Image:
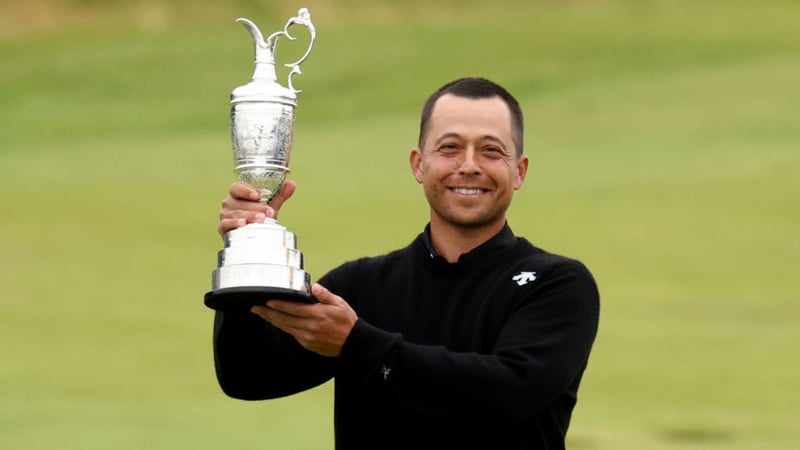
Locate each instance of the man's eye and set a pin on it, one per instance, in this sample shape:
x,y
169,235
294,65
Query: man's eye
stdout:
x,y
448,147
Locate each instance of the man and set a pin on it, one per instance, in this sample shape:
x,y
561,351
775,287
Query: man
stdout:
x,y
469,338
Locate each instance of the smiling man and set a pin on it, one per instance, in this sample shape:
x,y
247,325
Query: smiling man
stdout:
x,y
469,338
470,163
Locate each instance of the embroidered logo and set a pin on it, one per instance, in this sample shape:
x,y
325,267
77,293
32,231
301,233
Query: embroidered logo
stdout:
x,y
524,278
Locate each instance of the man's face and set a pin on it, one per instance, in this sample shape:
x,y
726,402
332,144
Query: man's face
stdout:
x,y
468,164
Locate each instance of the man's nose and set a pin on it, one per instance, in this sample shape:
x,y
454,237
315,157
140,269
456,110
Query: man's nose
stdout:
x,y
469,162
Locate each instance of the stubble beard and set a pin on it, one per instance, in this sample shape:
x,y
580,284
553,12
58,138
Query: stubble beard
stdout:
x,y
466,218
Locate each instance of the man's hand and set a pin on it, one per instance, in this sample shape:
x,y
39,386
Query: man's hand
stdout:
x,y
243,205
320,327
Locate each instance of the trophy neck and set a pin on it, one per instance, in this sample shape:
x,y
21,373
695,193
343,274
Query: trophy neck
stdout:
x,y
267,195
265,71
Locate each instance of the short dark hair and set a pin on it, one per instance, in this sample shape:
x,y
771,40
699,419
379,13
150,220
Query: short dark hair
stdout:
x,y
476,88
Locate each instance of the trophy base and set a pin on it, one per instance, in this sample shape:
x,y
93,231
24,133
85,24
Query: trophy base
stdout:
x,y
248,296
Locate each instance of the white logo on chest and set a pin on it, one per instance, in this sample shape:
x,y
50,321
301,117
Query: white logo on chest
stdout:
x,y
524,278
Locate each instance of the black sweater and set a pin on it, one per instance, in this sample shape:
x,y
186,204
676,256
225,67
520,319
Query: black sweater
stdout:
x,y
486,353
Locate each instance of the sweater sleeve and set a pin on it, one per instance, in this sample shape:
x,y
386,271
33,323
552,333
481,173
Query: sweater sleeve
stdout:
x,y
256,361
539,355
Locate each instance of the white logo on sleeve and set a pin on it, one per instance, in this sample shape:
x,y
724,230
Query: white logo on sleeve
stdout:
x,y
524,278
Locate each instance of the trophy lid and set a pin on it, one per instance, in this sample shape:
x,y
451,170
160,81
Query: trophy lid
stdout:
x,y
263,90
264,86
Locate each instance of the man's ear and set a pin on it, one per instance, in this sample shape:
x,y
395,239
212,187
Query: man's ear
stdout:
x,y
522,171
415,161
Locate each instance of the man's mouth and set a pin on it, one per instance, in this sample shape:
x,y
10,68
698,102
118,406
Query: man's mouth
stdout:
x,y
468,191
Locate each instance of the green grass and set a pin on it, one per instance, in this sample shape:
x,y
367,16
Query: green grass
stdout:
x,y
664,143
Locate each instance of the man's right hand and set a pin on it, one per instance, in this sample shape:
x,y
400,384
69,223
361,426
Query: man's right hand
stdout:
x,y
243,205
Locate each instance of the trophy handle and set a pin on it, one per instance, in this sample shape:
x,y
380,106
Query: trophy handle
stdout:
x,y
265,48
303,17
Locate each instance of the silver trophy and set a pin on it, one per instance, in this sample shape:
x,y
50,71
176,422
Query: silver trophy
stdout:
x,y
261,261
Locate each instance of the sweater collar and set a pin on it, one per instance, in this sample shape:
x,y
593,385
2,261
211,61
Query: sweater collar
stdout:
x,y
503,239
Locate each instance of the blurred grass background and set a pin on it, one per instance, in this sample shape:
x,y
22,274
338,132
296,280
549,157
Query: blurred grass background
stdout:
x,y
664,144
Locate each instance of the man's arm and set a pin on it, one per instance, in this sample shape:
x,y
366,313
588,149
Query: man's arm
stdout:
x,y
255,360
